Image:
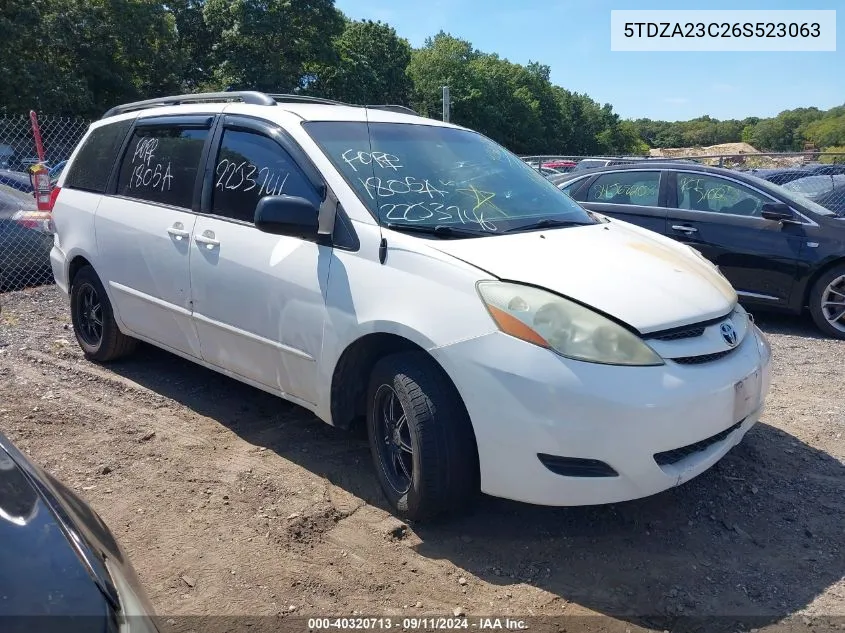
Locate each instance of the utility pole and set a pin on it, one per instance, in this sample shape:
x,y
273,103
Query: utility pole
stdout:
x,y
447,103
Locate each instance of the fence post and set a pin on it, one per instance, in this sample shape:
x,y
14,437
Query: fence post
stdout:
x,y
36,132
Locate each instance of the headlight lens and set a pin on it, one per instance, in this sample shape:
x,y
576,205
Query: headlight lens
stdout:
x,y
547,320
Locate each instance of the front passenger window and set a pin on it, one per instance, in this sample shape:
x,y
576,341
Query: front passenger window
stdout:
x,y
250,166
700,192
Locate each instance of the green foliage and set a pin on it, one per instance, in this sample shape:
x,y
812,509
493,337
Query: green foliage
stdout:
x,y
80,57
827,131
515,105
839,160
368,65
786,132
267,44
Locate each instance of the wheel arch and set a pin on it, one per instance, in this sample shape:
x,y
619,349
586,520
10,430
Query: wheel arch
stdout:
x,y
348,391
77,263
818,274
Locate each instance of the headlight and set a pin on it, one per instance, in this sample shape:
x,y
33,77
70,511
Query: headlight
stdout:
x,y
571,330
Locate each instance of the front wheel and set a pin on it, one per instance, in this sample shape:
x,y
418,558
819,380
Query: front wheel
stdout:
x,y
420,437
827,302
93,320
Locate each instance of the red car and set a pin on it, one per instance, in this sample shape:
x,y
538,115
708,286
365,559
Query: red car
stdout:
x,y
562,166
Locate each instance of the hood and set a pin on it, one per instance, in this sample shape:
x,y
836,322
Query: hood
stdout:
x,y
644,279
42,574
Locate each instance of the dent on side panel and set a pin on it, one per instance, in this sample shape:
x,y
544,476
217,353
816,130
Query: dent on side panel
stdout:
x,y
426,299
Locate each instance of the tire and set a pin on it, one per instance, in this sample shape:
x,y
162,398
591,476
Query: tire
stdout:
x,y
829,287
443,461
88,300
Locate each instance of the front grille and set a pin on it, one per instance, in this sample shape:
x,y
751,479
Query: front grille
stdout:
x,y
704,358
680,334
576,467
672,457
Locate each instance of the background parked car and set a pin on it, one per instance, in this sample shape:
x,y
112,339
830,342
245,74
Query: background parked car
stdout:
x,y
25,240
814,186
595,163
561,166
780,176
827,170
779,249
16,180
60,559
828,191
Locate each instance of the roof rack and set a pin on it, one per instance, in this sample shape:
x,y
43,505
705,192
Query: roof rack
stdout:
x,y
247,96
393,108
290,98
250,97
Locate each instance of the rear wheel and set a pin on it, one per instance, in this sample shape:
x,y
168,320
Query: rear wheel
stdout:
x,y
827,302
420,437
93,320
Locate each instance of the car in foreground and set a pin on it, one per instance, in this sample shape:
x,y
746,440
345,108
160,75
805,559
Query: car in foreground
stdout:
x,y
382,268
781,250
63,569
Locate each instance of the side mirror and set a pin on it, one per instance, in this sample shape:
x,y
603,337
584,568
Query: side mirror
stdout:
x,y
287,215
777,211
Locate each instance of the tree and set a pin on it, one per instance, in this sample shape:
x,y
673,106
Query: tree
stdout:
x,y
267,45
826,132
369,66
194,43
442,61
80,57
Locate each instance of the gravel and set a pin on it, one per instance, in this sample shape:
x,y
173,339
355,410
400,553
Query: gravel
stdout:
x,y
210,490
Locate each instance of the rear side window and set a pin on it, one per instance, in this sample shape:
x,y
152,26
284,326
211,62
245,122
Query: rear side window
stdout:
x,y
250,166
92,167
640,188
161,164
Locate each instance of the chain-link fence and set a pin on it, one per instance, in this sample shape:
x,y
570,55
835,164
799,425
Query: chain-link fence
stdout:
x,y
25,237
814,176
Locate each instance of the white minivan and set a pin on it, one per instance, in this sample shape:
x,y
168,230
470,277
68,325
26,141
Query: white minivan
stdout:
x,y
375,266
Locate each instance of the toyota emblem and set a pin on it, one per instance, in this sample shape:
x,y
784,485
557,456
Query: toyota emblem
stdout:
x,y
729,334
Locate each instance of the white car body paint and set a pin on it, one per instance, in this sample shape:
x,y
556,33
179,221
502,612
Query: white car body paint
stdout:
x,y
277,313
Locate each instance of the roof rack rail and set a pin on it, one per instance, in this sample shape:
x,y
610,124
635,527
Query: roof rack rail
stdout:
x,y
247,96
250,97
394,108
291,98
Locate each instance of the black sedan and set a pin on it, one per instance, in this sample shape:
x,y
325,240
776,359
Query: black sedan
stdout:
x,y
779,249
62,568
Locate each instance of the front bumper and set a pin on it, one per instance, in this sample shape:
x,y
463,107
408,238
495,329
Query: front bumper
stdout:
x,y
524,401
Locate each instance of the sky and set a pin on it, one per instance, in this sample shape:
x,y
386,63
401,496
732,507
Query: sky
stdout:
x,y
573,38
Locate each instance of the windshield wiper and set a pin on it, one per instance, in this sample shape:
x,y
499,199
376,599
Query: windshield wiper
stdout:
x,y
545,223
440,230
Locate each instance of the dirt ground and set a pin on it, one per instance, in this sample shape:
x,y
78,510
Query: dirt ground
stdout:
x,y
230,501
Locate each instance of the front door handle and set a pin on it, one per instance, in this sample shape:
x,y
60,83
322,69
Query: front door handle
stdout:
x,y
683,228
178,231
208,239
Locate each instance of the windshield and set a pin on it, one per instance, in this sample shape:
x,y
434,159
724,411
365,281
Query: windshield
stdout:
x,y
427,176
